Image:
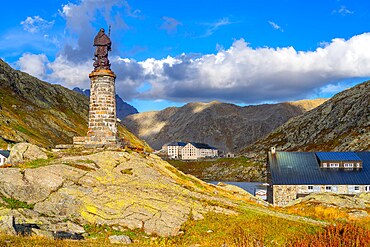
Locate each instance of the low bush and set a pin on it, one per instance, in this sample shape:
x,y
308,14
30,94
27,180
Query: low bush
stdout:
x,y
340,235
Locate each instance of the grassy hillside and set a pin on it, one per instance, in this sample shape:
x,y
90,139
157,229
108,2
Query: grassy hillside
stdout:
x,y
223,169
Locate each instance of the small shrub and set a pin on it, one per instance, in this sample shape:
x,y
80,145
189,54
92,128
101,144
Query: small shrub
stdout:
x,y
242,238
341,235
14,203
127,171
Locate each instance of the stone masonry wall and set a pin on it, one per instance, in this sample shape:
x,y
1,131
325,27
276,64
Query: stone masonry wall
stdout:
x,y
283,194
102,112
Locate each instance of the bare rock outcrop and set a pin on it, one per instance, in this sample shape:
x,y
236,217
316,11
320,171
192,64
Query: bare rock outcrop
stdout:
x,y
23,152
124,189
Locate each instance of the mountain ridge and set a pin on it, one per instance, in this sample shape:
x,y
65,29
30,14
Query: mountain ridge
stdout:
x,y
219,124
340,124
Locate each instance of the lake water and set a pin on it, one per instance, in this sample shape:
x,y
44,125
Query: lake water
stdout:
x,y
250,187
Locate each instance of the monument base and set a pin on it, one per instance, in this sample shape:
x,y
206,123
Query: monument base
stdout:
x,y
95,142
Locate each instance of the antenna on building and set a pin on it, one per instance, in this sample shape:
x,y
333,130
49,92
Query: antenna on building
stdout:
x,y
109,30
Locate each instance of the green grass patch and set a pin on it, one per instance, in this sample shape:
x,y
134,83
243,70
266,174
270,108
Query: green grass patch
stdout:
x,y
36,163
249,228
14,203
24,130
186,178
96,231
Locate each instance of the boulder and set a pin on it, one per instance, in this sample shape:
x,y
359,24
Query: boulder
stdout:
x,y
355,214
120,239
331,200
23,152
7,224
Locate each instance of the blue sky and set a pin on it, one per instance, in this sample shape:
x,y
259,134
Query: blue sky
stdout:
x,y
167,53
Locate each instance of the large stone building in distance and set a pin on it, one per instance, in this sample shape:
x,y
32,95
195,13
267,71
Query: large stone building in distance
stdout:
x,y
190,150
296,174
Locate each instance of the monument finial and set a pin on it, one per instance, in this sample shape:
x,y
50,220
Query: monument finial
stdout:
x,y
103,45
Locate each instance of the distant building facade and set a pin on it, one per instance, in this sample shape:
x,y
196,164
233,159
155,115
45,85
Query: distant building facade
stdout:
x,y
190,151
296,174
194,151
4,155
174,149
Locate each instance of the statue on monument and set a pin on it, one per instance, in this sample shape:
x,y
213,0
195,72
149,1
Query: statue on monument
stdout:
x,y
103,45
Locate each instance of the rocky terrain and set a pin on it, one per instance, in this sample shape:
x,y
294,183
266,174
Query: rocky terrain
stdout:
x,y
116,188
41,113
226,126
340,124
123,109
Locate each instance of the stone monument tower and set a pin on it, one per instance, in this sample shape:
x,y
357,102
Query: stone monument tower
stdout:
x,y
102,112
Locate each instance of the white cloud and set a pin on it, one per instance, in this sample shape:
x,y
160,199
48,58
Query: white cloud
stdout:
x,y
333,88
275,26
343,11
80,29
68,73
237,74
33,64
36,24
244,74
170,24
213,27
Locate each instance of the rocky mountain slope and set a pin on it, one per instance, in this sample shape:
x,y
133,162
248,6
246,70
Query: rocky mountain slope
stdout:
x,y
41,113
340,124
226,126
123,109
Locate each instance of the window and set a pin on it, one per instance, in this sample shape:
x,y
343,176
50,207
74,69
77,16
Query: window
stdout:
x,y
327,188
348,165
357,188
324,165
310,188
367,188
358,165
334,165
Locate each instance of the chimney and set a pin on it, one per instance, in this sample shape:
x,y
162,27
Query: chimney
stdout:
x,y
273,150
